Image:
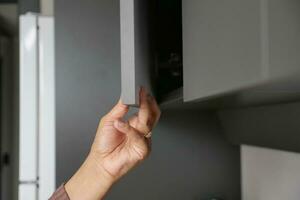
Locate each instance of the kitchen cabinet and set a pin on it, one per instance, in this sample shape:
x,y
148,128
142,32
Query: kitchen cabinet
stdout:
x,y
136,54
151,47
231,46
273,126
244,51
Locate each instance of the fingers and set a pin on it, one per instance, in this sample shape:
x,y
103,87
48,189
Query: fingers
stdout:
x,y
118,111
147,117
135,136
133,120
144,111
148,114
124,127
155,109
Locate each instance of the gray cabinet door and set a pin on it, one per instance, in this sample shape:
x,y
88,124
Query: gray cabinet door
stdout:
x,y
238,44
136,53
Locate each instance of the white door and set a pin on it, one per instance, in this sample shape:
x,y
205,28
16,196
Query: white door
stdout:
x,y
37,108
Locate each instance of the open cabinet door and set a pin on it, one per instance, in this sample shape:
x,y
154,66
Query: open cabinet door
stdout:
x,y
136,52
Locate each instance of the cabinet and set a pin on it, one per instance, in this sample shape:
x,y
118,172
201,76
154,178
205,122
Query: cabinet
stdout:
x,y
136,54
247,49
151,47
230,46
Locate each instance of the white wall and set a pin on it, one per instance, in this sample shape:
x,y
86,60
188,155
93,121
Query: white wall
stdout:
x,y
47,7
270,174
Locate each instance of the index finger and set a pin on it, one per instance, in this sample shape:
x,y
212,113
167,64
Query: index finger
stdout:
x,y
145,109
155,109
148,113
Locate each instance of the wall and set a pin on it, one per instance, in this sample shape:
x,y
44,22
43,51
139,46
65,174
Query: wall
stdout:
x,y
190,158
28,6
9,17
270,174
47,7
9,107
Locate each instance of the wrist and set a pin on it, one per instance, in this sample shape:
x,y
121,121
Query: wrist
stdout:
x,y
94,161
89,182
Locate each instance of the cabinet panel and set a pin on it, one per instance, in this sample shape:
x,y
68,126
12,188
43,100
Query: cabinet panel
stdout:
x,y
234,45
136,54
273,126
151,48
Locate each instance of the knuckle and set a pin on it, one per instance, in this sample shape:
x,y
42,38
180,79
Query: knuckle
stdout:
x,y
157,116
159,112
102,121
104,118
147,127
124,106
126,126
142,156
144,128
147,130
149,124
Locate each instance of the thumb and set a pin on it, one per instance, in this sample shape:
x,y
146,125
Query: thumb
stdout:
x,y
125,128
119,110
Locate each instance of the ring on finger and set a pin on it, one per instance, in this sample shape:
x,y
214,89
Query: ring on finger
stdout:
x,y
148,135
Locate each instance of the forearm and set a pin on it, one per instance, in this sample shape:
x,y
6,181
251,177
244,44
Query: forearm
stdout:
x,y
90,182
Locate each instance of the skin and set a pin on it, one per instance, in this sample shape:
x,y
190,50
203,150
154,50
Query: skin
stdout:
x,y
117,148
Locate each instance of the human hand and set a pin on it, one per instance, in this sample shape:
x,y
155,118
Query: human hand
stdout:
x,y
118,146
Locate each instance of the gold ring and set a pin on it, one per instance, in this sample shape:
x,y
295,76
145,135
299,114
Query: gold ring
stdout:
x,y
148,135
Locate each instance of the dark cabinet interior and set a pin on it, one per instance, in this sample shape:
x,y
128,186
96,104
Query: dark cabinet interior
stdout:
x,y
168,71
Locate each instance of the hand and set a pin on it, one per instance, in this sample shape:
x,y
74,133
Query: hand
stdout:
x,y
118,146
